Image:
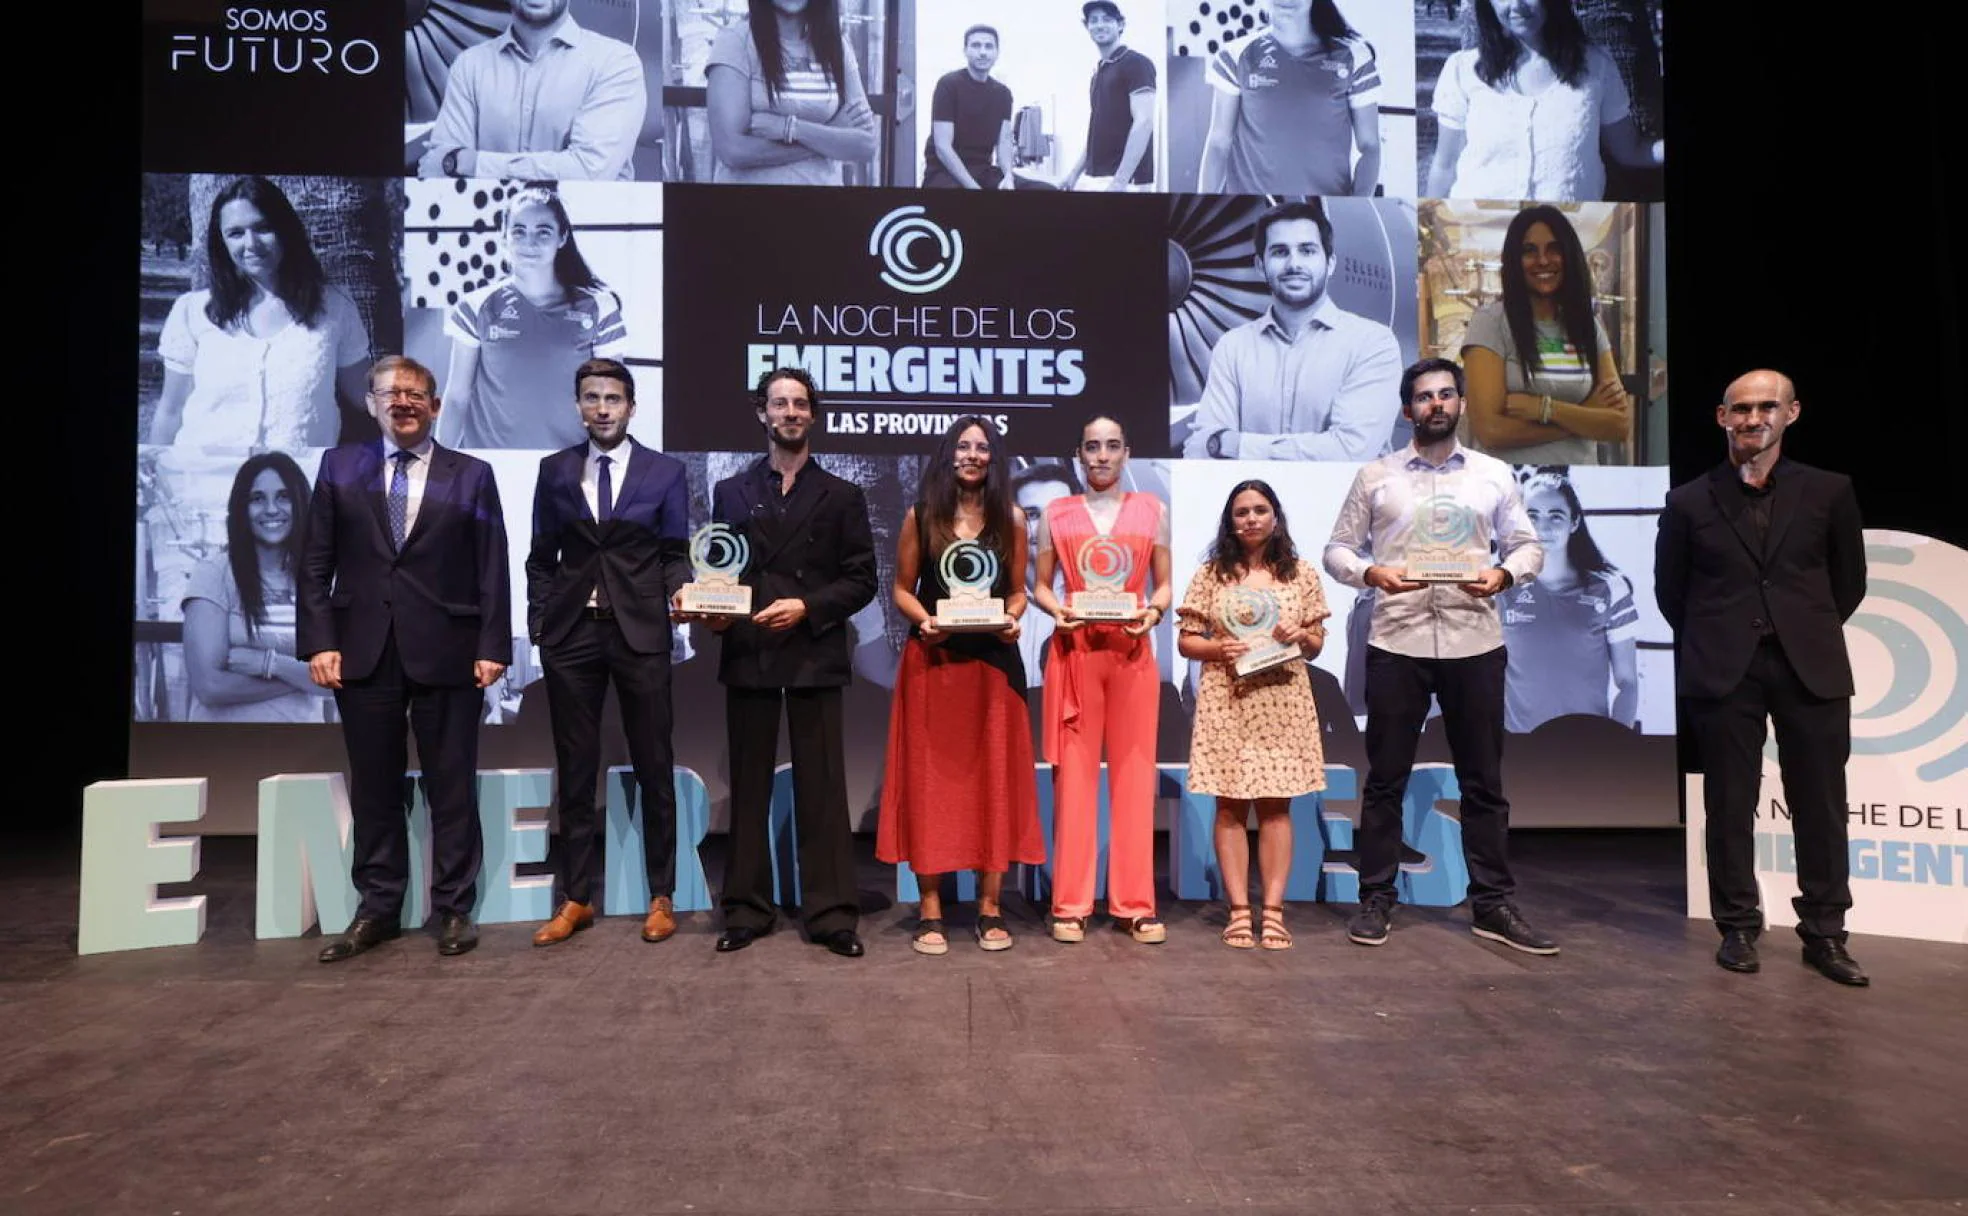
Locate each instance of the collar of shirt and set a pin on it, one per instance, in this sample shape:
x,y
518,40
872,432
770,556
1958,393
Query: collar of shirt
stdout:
x,y
567,33
1418,463
421,451
618,456
1321,316
768,477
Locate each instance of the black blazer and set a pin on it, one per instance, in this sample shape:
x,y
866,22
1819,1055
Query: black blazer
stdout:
x,y
1715,586
640,557
447,595
823,553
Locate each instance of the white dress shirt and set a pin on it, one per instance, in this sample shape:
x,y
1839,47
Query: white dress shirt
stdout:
x,y
618,467
417,471
1440,621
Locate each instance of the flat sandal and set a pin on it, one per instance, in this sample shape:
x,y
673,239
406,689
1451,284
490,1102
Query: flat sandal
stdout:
x,y
1239,934
1276,936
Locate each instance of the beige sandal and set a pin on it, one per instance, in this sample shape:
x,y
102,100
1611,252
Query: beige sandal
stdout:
x,y
1276,936
1237,934
1147,930
1069,928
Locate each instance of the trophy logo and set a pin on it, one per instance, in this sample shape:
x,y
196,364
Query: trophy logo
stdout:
x,y
1105,566
969,570
718,556
1251,614
1443,546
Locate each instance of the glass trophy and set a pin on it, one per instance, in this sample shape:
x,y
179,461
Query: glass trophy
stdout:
x,y
1105,566
969,569
718,556
1251,613
1444,544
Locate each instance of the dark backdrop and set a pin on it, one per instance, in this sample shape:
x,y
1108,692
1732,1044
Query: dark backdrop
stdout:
x,y
1811,196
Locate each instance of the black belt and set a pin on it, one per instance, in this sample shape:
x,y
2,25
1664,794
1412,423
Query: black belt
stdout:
x,y
598,614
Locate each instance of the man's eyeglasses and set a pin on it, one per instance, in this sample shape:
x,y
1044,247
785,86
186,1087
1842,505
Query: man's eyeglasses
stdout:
x,y
415,396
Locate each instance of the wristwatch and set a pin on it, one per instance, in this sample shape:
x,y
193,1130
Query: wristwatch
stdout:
x,y
450,165
1215,445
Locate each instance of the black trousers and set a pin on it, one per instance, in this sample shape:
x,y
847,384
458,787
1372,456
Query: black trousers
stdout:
x,y
1814,740
826,839
1471,693
445,720
578,670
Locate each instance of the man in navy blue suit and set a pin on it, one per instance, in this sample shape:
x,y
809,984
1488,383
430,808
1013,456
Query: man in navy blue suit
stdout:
x,y
611,523
405,610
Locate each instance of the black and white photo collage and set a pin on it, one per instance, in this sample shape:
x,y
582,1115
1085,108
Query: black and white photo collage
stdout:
x,y
1302,197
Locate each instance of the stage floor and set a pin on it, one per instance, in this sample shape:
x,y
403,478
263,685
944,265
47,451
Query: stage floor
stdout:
x,y
1437,1074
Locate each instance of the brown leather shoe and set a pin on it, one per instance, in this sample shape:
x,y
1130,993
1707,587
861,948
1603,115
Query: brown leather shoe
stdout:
x,y
661,922
571,919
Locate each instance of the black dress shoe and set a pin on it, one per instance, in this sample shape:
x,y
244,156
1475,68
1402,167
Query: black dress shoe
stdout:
x,y
1833,962
457,934
363,933
737,937
1738,951
844,942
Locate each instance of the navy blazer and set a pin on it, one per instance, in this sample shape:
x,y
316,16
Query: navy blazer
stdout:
x,y
640,557
447,595
823,552
1719,589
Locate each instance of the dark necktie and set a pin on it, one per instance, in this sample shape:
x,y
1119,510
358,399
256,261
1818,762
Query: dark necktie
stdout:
x,y
604,511
399,496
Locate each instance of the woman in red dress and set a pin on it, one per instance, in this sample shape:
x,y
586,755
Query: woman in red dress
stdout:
x,y
959,793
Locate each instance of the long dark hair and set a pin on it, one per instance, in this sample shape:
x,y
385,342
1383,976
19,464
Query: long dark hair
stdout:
x,y
1227,554
242,550
571,270
1498,53
1574,294
1580,549
298,281
936,500
1330,24
823,33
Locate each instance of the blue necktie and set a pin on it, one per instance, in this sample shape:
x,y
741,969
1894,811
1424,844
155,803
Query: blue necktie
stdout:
x,y
399,496
604,492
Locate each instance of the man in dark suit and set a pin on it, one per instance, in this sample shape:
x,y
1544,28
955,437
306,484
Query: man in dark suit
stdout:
x,y
1756,567
812,567
611,522
405,608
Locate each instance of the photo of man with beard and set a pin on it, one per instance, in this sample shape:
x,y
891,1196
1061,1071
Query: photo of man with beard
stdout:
x,y
1305,379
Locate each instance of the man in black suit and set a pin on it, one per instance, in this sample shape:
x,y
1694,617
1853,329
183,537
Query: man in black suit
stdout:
x,y
1757,566
611,526
812,567
405,608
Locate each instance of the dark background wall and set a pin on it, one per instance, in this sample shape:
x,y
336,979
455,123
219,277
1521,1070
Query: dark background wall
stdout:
x,y
1811,208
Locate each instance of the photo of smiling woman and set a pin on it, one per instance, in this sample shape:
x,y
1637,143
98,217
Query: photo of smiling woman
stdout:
x,y
959,791
1570,632
1544,385
239,605
786,100
1533,110
253,360
516,342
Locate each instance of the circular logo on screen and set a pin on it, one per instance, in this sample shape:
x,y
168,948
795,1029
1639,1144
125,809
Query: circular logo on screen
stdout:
x,y
918,255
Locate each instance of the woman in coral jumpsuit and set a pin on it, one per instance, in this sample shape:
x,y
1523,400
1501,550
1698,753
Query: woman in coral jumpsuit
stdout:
x,y
1102,688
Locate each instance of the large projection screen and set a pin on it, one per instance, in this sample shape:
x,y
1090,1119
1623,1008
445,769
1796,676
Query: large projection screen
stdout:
x,y
298,221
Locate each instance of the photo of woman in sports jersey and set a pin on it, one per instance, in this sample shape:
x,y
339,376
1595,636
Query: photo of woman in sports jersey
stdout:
x,y
1306,98
516,341
1571,631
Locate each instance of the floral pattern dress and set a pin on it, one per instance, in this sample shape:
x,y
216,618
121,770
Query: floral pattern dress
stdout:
x,y
1255,737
